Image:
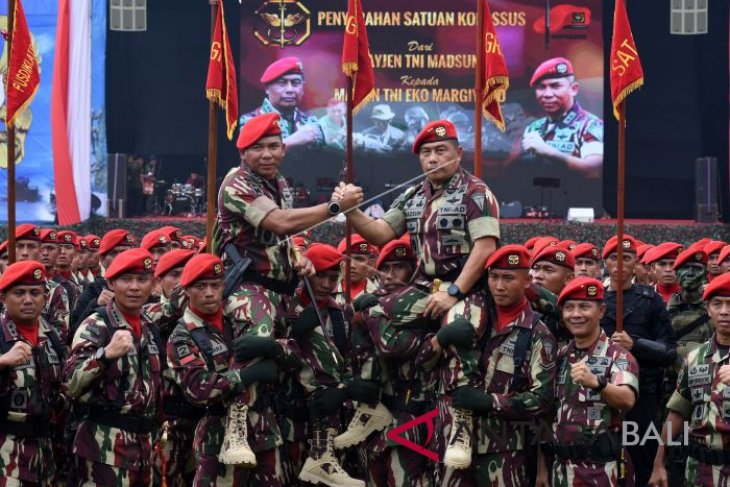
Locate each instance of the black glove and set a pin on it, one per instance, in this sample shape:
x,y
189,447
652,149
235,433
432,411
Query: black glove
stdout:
x,y
476,400
367,391
306,322
246,347
263,371
324,402
364,301
459,332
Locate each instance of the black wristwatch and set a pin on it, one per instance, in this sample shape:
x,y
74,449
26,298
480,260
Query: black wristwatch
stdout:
x,y
602,383
454,291
102,358
334,208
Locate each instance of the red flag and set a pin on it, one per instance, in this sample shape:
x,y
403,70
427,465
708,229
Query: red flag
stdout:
x,y
496,77
626,72
23,75
356,55
221,86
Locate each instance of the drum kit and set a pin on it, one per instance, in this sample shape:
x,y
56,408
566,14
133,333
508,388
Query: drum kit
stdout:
x,y
179,199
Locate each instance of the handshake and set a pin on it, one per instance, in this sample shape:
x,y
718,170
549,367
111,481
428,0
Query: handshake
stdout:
x,y
348,196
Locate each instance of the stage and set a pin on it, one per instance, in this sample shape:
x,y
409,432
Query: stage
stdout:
x,y
513,230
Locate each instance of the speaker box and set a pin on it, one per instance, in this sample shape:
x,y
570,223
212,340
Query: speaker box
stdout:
x,y
706,196
117,180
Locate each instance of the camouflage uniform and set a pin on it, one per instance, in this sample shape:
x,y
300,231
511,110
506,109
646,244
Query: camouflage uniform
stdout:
x,y
56,311
73,289
683,313
288,125
207,382
384,340
443,226
371,286
586,429
704,401
29,394
123,400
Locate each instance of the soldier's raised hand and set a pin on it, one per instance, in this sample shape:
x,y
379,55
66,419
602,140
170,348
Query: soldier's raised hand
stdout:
x,y
725,374
582,375
352,196
18,355
105,297
120,344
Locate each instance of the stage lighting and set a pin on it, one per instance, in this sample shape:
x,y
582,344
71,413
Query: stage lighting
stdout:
x,y
688,17
128,15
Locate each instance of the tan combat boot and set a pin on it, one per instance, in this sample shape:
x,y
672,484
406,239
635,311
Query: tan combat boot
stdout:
x,y
366,420
322,467
458,449
235,449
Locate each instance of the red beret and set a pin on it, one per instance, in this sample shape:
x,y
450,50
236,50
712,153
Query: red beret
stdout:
x,y
300,241
277,69
567,244
642,249
26,273
629,245
690,256
543,242
155,238
172,260
557,67
564,16
395,250
724,254
585,251
258,127
190,242
132,261
49,235
530,243
94,242
4,248
719,286
358,245
700,244
582,289
714,246
202,266
509,257
555,255
323,256
115,238
83,244
665,250
435,131
173,233
28,231
67,237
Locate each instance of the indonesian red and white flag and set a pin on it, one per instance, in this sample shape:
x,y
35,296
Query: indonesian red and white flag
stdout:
x,y
626,72
23,77
356,60
221,86
496,77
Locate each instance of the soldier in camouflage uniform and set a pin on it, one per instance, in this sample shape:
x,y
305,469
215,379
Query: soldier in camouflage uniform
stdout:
x,y
114,367
452,219
661,259
157,243
712,250
587,261
362,262
199,352
702,398
552,267
387,333
63,273
284,82
180,416
596,382
518,359
30,367
255,213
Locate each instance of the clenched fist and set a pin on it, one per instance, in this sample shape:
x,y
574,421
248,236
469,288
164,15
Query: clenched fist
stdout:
x,y
725,374
582,375
18,355
120,344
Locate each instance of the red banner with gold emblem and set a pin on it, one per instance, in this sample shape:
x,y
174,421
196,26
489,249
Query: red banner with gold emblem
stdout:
x,y
221,86
496,77
23,76
356,55
626,72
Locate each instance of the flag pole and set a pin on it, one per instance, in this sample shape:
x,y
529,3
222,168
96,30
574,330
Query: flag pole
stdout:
x,y
620,190
212,149
479,91
349,178
11,150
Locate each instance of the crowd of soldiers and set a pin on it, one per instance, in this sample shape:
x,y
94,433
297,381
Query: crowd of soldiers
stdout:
x,y
244,361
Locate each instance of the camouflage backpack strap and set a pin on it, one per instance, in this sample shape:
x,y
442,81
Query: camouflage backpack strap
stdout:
x,y
699,321
339,330
124,380
522,346
157,339
56,343
202,341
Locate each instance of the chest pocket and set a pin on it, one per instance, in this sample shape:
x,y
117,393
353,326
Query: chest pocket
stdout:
x,y
600,367
726,403
451,221
699,381
413,210
153,352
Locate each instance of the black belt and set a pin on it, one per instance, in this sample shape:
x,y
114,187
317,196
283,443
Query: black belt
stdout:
x,y
32,427
397,403
185,410
604,448
279,287
128,422
708,456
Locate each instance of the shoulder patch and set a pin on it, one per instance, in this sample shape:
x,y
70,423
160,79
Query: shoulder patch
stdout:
x,y
622,363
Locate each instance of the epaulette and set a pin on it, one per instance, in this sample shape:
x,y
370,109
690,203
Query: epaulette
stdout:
x,y
407,194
